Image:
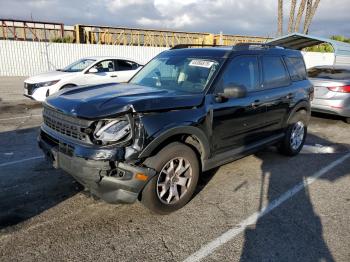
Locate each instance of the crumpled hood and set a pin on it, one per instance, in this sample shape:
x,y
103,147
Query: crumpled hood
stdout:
x,y
49,76
106,100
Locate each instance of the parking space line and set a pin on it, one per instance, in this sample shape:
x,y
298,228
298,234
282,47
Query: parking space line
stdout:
x,y
19,161
233,232
19,117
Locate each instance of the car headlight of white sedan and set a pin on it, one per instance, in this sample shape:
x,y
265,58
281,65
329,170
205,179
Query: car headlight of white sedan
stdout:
x,y
112,131
48,83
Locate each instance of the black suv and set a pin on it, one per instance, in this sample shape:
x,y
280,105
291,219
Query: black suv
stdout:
x,y
187,111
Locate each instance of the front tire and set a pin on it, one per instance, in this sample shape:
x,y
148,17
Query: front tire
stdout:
x,y
294,139
176,180
347,120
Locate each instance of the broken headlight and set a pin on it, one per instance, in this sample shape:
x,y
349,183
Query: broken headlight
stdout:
x,y
112,131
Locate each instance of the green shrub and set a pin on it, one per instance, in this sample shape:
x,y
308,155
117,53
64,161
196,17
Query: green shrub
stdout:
x,y
327,48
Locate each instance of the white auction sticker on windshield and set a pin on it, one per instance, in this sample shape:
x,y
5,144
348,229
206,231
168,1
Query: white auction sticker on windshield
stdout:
x,y
201,63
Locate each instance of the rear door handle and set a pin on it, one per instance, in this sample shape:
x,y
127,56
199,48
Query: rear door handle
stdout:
x,y
114,76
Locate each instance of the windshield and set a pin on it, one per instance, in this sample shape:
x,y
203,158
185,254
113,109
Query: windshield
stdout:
x,y
79,65
177,73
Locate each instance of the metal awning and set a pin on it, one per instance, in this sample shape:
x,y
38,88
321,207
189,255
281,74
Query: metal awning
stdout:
x,y
299,41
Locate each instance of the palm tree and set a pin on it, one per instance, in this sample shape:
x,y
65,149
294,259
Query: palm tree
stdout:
x,y
291,16
300,15
280,17
311,16
293,26
307,14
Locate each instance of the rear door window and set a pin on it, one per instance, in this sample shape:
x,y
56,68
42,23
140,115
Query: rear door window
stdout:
x,y
274,72
329,73
296,68
124,65
105,66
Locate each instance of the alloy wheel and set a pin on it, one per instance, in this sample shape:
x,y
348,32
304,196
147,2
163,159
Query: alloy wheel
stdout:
x,y
174,180
297,135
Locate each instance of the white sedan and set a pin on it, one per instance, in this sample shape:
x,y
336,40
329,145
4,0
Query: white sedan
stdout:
x,y
86,71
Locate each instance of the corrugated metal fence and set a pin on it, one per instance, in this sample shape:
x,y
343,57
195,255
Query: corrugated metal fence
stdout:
x,y
19,58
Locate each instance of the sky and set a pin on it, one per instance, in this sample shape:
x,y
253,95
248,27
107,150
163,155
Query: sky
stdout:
x,y
250,17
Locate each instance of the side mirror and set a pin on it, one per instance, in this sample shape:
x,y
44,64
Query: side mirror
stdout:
x,y
234,92
231,92
93,70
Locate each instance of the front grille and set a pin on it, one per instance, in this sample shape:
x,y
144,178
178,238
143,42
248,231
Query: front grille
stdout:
x,y
30,88
66,125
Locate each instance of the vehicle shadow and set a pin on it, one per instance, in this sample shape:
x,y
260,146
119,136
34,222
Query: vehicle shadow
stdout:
x,y
293,231
203,180
329,117
29,187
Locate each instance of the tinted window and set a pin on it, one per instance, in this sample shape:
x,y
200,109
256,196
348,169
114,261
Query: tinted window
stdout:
x,y
296,68
329,73
275,74
105,66
242,71
126,65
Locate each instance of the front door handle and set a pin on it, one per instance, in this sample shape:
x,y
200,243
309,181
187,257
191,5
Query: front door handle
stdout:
x,y
255,104
290,96
114,76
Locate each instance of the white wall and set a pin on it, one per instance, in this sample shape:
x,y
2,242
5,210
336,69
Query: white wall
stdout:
x,y
19,58
315,58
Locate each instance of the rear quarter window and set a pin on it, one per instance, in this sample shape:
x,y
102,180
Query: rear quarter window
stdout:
x,y
296,68
274,72
329,73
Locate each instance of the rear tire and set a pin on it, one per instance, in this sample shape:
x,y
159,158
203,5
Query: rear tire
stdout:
x,y
176,180
296,133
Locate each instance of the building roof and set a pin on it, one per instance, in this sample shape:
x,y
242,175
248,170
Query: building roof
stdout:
x,y
300,41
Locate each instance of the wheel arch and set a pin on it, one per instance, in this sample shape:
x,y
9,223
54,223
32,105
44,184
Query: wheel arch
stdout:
x,y
302,105
189,135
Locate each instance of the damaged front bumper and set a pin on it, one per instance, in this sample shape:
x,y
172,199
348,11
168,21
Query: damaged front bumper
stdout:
x,y
99,170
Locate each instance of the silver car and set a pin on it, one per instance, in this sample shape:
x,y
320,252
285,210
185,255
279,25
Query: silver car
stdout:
x,y
332,90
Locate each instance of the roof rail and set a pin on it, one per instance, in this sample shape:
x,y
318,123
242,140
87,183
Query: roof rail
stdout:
x,y
261,45
240,46
195,45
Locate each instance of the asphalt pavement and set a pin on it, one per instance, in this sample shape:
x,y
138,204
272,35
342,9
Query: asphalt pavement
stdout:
x,y
264,207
